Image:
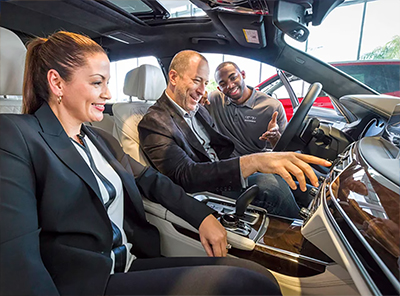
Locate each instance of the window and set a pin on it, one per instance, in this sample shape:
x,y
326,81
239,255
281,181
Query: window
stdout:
x,y
362,39
353,30
255,71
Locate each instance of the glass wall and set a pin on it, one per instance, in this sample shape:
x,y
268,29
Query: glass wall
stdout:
x,y
355,31
381,26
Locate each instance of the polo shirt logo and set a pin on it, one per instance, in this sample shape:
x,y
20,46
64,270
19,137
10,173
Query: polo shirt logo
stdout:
x,y
249,118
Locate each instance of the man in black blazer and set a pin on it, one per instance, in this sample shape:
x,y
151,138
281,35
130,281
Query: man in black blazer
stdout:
x,y
179,137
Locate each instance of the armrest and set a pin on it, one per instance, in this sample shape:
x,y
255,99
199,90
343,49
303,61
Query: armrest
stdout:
x,y
158,210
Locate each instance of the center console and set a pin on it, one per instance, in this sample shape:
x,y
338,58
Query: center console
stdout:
x,y
243,231
272,241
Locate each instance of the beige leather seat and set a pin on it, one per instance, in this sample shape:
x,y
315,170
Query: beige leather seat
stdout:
x,y
107,123
147,84
12,62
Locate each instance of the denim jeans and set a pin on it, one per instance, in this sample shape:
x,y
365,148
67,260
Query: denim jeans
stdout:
x,y
275,195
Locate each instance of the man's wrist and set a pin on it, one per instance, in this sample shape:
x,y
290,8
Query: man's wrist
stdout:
x,y
249,164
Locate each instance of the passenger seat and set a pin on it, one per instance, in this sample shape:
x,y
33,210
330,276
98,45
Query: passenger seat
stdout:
x,y
147,83
12,63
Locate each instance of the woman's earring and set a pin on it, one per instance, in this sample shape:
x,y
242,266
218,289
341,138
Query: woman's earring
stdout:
x,y
59,100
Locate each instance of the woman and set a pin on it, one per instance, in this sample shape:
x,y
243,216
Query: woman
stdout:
x,y
71,216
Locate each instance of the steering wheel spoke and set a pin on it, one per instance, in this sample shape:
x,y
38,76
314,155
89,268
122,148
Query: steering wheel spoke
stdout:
x,y
297,122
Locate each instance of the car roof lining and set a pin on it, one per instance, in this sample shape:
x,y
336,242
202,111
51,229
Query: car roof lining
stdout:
x,y
164,38
41,18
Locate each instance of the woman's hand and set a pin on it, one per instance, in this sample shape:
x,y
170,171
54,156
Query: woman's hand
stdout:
x,y
213,237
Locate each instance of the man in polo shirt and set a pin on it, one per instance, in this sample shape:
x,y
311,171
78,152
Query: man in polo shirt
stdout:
x,y
253,120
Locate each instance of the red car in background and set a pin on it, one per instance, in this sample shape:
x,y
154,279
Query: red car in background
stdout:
x,y
382,76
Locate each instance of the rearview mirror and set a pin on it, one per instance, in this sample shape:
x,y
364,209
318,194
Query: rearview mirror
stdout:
x,y
290,19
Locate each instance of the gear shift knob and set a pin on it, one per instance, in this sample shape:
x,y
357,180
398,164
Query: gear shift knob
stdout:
x,y
245,199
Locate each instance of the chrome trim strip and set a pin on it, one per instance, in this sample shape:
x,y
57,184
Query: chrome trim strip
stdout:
x,y
294,255
378,260
263,228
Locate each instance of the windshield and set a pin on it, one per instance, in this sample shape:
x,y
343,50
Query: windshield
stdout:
x,y
361,38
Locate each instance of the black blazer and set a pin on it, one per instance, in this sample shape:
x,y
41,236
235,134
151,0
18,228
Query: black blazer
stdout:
x,y
174,150
55,234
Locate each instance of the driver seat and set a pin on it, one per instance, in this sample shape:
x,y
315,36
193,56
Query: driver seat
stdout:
x,y
147,83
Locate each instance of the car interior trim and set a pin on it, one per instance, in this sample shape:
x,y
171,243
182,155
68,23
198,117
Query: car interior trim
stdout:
x,y
335,174
366,245
373,288
378,158
361,105
294,255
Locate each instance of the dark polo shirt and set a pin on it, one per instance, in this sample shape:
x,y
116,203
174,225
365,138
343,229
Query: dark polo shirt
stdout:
x,y
245,123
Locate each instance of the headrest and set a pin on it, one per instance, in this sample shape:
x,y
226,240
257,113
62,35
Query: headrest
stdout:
x,y
12,62
146,83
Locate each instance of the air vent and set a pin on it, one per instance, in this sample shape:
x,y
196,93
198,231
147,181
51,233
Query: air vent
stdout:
x,y
343,160
123,37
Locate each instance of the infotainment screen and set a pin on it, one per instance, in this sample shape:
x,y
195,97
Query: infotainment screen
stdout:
x,y
392,129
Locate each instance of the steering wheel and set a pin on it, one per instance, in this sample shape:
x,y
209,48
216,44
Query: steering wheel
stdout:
x,y
295,124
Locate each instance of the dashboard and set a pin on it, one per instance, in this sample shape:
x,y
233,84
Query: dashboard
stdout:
x,y
362,206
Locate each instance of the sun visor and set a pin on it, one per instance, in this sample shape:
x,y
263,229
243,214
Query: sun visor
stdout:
x,y
248,30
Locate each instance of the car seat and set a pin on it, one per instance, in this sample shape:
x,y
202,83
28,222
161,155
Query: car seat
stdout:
x,y
12,62
147,84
